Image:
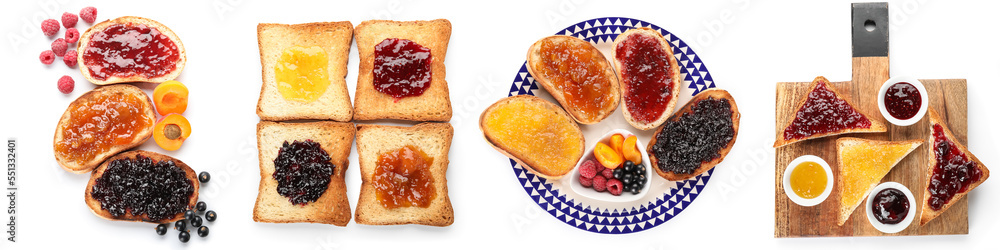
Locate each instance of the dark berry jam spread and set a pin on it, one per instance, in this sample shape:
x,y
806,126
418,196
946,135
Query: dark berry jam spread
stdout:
x,y
824,113
125,50
139,186
402,68
890,206
902,100
646,76
696,137
954,172
303,171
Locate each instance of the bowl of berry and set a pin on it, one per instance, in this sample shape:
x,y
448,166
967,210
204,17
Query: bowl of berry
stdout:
x,y
615,169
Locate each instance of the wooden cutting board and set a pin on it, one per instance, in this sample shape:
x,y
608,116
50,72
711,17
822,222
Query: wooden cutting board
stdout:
x,y
870,70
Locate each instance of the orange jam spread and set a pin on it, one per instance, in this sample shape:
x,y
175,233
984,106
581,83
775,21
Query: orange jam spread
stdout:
x,y
301,73
536,134
808,180
403,178
101,123
577,69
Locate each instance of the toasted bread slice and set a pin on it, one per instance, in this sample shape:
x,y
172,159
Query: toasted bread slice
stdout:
x,y
528,129
332,206
927,212
95,206
605,86
65,127
633,83
87,70
434,139
435,103
709,94
863,163
334,38
820,87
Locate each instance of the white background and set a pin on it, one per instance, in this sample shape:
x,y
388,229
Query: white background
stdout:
x,y
747,46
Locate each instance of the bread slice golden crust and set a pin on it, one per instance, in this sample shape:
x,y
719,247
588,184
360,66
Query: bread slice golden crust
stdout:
x,y
876,127
85,41
335,39
535,63
141,136
332,206
927,214
435,103
95,206
714,93
673,72
434,139
850,202
532,161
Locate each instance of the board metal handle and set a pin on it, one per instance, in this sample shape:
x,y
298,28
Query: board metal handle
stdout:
x,y
873,42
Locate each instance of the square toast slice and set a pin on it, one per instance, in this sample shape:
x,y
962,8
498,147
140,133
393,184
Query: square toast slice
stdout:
x,y
335,39
332,206
434,104
434,139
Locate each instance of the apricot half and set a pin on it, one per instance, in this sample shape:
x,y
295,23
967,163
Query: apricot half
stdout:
x,y
170,97
171,131
616,142
630,151
607,156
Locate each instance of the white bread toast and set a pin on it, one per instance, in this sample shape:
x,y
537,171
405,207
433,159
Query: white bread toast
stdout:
x,y
434,139
332,206
536,62
435,103
68,117
672,71
927,214
548,166
713,93
95,206
85,39
856,179
335,39
876,124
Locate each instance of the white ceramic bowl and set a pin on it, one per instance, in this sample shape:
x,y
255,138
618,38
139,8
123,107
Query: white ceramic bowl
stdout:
x,y
923,100
787,181
891,228
574,177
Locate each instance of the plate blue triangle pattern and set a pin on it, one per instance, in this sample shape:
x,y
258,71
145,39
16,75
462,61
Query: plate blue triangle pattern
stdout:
x,y
642,217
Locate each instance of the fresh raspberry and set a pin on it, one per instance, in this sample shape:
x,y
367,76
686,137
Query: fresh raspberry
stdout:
x,y
72,35
47,57
88,14
70,58
587,169
59,46
586,182
608,173
600,184
50,27
66,84
69,20
615,187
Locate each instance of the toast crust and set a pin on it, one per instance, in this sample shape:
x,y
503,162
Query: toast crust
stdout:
x,y
673,71
705,166
332,206
95,206
876,127
335,39
535,59
140,137
85,40
927,214
525,160
432,138
846,211
435,103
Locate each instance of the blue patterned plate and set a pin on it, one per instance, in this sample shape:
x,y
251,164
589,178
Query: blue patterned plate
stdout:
x,y
665,199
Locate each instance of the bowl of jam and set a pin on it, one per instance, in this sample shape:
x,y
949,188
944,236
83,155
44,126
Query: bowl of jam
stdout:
x,y
808,180
902,100
891,207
